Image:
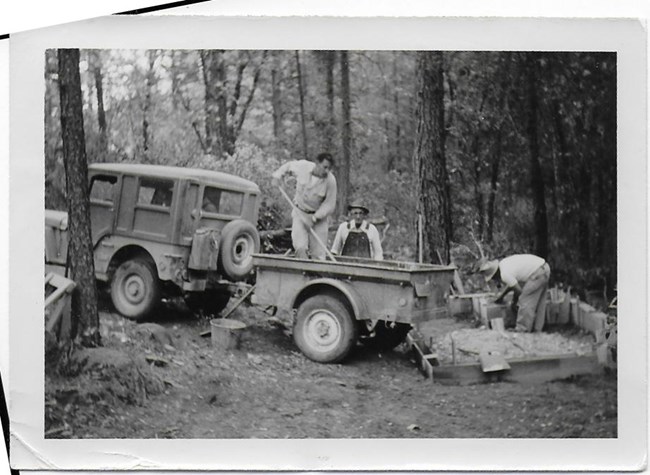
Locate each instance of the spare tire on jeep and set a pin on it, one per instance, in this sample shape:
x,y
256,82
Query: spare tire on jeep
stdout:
x,y
239,240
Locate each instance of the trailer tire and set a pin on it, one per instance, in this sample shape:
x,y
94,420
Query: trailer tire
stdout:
x,y
239,240
135,288
386,338
324,329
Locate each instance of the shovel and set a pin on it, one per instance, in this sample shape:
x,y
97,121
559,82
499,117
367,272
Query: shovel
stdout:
x,y
313,233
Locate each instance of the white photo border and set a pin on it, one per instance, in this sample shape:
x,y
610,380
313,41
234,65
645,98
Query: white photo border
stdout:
x,y
29,450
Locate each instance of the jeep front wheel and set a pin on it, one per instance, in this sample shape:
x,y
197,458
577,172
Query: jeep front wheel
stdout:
x,y
135,289
324,329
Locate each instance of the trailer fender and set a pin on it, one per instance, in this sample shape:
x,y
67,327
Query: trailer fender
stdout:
x,y
344,291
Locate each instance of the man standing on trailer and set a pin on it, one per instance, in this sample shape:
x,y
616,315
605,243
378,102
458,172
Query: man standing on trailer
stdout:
x,y
358,237
314,202
527,276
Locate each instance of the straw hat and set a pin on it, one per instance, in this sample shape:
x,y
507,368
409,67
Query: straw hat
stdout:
x,y
489,268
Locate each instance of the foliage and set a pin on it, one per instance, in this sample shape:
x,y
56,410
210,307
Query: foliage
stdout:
x,y
155,103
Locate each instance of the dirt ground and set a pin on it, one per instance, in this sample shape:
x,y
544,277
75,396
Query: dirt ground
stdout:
x,y
267,389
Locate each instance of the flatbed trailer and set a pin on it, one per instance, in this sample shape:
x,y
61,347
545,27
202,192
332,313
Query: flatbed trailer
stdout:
x,y
337,303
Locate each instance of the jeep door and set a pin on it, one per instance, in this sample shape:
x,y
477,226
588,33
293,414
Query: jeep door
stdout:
x,y
103,194
153,210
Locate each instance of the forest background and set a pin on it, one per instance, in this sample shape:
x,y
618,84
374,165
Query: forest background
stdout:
x,y
526,141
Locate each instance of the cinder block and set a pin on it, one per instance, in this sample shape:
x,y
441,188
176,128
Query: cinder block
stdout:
x,y
574,312
594,323
476,305
558,309
459,305
584,310
552,312
491,310
564,313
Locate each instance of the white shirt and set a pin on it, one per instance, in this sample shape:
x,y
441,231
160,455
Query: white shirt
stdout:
x,y
516,269
313,194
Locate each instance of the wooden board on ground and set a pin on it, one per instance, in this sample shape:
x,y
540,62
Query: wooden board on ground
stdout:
x,y
491,362
529,370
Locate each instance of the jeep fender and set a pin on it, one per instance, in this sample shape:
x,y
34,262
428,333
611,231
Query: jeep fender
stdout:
x,y
344,291
111,250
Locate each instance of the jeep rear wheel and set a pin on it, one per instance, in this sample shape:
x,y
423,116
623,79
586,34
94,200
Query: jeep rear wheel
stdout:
x,y
324,329
239,240
135,289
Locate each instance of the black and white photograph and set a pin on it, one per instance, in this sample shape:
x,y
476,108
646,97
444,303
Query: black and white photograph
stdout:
x,y
327,244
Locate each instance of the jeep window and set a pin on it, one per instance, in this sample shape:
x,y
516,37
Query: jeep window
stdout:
x,y
102,188
155,192
222,201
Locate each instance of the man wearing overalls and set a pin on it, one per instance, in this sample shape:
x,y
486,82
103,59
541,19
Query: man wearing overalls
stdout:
x,y
358,237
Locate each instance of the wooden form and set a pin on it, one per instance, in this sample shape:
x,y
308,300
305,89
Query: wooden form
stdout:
x,y
522,370
424,357
57,305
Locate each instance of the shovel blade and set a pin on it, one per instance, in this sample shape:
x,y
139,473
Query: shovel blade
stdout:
x,y
491,362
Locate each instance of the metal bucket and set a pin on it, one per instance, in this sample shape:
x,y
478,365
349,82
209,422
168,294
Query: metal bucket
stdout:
x,y
226,334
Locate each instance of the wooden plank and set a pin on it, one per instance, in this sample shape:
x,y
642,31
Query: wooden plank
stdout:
x,y
423,355
458,283
529,370
491,362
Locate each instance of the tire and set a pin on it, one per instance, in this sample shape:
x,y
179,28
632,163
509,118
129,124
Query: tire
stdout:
x,y
239,240
135,289
386,338
324,329
211,302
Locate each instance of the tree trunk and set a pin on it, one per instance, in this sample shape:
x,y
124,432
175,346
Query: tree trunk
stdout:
x,y
149,81
537,180
432,187
82,269
475,152
608,210
301,94
498,147
101,113
346,136
216,115
494,184
397,158
276,100
563,162
330,58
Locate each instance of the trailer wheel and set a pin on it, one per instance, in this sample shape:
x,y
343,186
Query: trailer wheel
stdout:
x,y
386,338
324,329
210,302
135,289
239,240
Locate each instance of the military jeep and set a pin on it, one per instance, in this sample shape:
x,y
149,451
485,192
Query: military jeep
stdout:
x,y
158,230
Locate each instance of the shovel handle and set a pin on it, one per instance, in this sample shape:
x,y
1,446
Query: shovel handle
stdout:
x,y
313,233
